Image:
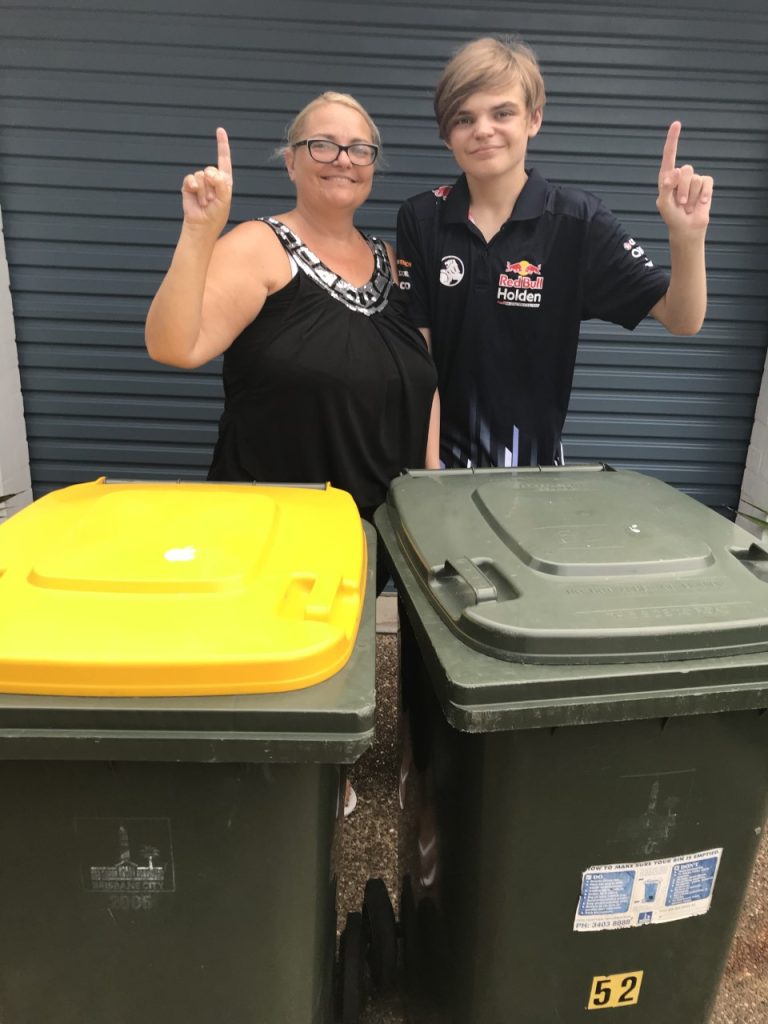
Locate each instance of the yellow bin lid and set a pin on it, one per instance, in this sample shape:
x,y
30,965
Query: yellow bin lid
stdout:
x,y
172,589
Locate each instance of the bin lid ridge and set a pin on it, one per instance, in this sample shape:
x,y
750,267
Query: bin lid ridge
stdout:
x,y
619,533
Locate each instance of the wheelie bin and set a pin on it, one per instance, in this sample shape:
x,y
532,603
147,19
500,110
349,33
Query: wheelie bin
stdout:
x,y
585,743
185,670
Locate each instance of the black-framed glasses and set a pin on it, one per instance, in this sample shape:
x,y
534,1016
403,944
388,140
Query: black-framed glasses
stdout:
x,y
361,154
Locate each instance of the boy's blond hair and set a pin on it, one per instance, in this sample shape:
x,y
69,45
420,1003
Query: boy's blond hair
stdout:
x,y
487,65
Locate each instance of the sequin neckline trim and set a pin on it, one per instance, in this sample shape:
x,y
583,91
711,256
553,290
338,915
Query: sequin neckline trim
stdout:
x,y
371,298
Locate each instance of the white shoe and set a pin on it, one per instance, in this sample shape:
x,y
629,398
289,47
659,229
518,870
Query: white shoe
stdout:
x,y
350,800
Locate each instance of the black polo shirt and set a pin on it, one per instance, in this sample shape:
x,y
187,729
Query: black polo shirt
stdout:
x,y
505,314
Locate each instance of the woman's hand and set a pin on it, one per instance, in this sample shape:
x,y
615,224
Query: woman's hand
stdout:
x,y
206,195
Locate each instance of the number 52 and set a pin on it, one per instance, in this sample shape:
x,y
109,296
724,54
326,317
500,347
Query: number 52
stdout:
x,y
610,991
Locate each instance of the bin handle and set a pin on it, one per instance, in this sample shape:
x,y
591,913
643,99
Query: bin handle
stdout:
x,y
463,567
755,559
322,597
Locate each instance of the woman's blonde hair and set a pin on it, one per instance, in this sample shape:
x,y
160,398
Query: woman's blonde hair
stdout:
x,y
487,65
295,129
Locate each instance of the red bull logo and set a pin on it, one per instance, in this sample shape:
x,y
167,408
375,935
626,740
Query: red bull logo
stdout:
x,y
524,269
521,284
442,191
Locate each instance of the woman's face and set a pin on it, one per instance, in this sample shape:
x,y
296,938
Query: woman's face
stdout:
x,y
339,184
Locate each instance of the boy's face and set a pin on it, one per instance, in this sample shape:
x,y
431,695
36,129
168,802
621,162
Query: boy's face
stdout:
x,y
489,135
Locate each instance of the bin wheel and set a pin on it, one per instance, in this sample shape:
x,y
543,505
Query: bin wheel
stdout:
x,y
380,934
351,993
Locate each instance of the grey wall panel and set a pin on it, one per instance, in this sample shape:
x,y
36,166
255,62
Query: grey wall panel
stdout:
x,y
104,106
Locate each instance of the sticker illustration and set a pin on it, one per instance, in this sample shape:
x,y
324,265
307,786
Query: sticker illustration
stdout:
x,y
648,892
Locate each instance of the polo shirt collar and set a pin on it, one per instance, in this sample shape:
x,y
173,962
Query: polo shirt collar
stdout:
x,y
530,203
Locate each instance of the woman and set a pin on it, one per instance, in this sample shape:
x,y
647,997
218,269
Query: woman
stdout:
x,y
324,377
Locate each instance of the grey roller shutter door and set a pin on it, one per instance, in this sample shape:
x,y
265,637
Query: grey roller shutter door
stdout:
x,y
102,109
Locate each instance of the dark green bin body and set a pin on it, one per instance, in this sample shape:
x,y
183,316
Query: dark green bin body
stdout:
x,y
222,813
521,771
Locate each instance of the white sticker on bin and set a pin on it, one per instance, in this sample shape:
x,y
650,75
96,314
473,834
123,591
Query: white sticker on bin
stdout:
x,y
648,892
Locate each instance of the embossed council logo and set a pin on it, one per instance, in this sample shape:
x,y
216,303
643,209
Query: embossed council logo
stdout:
x,y
129,861
451,271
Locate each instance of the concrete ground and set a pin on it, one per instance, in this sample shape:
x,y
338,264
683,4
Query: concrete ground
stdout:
x,y
369,848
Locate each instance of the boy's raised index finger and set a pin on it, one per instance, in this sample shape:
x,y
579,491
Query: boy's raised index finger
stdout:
x,y
224,161
669,156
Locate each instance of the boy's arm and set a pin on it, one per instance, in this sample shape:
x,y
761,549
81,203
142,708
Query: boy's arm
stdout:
x,y
684,203
411,267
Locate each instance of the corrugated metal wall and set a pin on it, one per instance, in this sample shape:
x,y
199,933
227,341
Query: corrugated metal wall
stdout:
x,y
104,107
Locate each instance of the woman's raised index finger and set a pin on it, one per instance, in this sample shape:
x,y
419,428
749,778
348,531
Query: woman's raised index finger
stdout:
x,y
669,156
224,161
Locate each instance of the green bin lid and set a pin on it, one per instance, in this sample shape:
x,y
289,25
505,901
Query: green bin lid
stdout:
x,y
583,565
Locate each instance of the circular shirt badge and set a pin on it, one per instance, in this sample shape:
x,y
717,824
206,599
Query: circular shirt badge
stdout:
x,y
451,271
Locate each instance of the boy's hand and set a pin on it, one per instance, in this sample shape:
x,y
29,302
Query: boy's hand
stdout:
x,y
684,196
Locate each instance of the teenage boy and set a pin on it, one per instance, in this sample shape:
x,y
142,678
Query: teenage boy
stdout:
x,y
501,267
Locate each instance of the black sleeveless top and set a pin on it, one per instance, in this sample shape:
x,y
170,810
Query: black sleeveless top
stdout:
x,y
329,383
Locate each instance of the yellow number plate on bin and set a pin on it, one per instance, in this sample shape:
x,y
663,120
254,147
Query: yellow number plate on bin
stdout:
x,y
611,991
155,589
